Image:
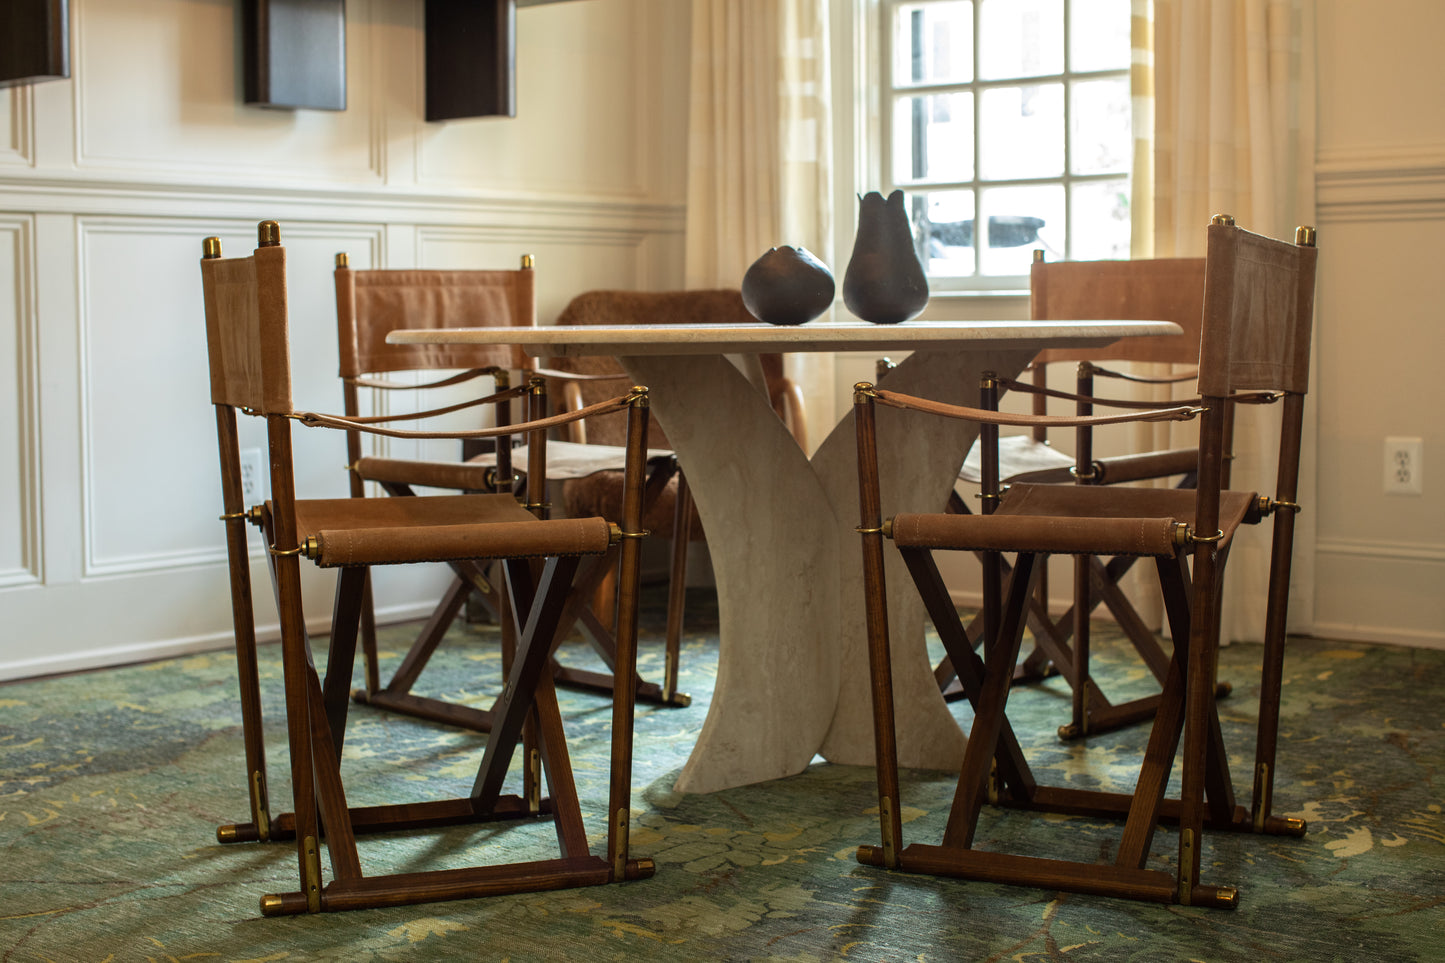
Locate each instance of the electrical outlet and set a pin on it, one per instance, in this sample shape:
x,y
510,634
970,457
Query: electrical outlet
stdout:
x,y
253,477
1404,466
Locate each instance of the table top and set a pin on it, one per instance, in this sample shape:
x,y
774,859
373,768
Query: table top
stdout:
x,y
673,339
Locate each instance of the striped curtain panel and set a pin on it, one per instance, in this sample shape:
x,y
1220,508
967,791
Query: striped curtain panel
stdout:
x,y
760,133
1227,89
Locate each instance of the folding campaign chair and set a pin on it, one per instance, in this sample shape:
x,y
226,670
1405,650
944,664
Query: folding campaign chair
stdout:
x,y
1168,289
1258,304
369,304
247,333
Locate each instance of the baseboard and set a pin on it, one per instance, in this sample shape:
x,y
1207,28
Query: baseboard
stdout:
x,y
112,656
1375,634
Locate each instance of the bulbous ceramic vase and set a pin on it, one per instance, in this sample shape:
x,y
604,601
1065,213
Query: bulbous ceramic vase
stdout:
x,y
788,285
884,282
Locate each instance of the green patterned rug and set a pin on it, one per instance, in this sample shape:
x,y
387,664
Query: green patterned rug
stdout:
x,y
112,782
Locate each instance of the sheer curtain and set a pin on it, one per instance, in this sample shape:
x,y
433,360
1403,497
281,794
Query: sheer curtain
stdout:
x,y
760,131
1229,87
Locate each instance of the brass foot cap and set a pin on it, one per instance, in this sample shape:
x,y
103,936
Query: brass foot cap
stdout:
x,y
1069,732
870,855
642,868
680,700
239,833
272,905
1213,897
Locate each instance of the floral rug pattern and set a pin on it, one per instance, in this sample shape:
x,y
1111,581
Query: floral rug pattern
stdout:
x,y
112,782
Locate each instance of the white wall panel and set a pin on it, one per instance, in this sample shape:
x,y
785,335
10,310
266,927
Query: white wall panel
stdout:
x,y
579,126
15,132
151,475
567,262
20,536
118,173
1380,74
158,89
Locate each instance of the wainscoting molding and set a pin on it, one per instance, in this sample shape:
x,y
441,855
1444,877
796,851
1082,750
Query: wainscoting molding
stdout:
x,y
1381,592
1403,182
16,134
20,492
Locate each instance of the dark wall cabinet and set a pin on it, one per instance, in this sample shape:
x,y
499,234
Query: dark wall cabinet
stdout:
x,y
294,53
34,41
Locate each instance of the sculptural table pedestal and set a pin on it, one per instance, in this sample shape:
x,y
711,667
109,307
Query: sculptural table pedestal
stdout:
x,y
792,677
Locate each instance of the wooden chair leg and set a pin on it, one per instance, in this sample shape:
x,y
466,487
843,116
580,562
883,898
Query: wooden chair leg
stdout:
x,y
990,721
243,621
397,696
677,587
346,620
248,679
543,608
1271,680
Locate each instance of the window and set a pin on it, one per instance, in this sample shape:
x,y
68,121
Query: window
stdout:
x,y
1008,126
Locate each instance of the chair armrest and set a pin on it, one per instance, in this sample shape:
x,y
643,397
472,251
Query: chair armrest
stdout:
x,y
371,425
895,399
461,476
556,375
571,400
1190,375
383,384
788,403
1134,403
1155,464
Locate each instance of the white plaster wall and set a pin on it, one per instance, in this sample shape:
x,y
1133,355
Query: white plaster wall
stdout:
x,y
1380,559
110,549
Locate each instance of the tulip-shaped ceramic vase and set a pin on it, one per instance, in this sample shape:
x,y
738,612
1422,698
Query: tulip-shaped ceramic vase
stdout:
x,y
884,282
788,285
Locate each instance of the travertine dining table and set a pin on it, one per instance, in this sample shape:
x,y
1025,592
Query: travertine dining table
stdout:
x,y
792,676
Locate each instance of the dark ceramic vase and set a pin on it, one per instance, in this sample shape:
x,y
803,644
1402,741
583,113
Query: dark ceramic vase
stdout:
x,y
788,285
884,282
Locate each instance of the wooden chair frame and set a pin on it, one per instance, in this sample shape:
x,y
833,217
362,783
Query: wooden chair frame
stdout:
x,y
246,322
466,295
1150,289
1189,551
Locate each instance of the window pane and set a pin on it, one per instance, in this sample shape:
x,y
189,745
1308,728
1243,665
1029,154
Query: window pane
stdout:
x,y
1023,132
1018,220
933,43
1100,210
943,230
1099,35
1103,132
1020,38
933,138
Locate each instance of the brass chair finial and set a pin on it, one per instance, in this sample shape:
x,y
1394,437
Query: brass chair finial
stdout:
x,y
268,234
527,262
343,259
1227,220
1304,236
211,248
